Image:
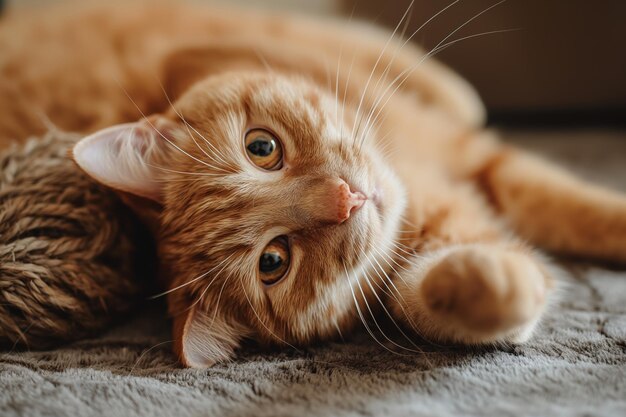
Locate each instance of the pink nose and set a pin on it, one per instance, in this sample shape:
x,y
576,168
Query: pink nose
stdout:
x,y
346,201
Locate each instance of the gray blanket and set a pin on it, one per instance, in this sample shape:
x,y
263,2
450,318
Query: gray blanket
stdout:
x,y
575,365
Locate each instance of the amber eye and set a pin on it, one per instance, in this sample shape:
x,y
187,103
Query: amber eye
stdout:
x,y
274,261
264,149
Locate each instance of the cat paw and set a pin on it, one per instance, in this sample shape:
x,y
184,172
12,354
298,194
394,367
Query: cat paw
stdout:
x,y
483,291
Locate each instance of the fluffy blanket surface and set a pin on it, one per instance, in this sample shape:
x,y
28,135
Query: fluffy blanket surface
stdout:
x,y
575,365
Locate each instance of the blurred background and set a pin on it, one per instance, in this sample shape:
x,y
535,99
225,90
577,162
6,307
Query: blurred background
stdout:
x,y
555,80
562,60
562,57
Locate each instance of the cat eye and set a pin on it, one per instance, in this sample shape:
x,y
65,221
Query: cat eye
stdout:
x,y
274,261
264,149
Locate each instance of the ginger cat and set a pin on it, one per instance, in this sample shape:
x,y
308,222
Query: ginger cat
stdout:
x,y
302,177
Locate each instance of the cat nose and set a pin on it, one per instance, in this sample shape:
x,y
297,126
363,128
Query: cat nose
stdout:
x,y
343,201
327,201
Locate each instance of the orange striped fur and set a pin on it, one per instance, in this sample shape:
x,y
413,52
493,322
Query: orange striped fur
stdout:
x,y
438,245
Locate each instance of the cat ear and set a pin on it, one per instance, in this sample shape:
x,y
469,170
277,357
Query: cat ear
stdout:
x,y
203,339
124,157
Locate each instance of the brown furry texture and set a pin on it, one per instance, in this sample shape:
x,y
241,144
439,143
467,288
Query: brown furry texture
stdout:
x,y
439,245
67,248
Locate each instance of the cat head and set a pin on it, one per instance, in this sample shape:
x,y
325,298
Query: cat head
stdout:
x,y
266,206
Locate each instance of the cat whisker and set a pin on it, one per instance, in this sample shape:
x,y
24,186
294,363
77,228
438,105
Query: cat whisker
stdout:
x,y
389,133
219,297
388,147
409,339
368,279
405,249
345,94
347,81
390,153
402,257
373,316
409,222
243,287
157,130
171,170
419,350
477,15
380,56
261,57
363,321
407,73
192,136
178,180
386,258
327,71
398,49
199,174
408,39
217,275
336,324
385,291
203,294
385,72
388,150
145,352
393,250
438,48
216,153
410,260
21,334
214,150
402,301
337,76
191,281
383,270
396,262
45,121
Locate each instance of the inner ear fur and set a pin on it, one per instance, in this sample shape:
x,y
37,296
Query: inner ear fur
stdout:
x,y
126,158
203,339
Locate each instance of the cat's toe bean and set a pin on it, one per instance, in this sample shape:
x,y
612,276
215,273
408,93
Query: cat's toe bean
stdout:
x,y
484,289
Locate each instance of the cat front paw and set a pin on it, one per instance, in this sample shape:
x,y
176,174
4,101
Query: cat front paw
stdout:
x,y
481,293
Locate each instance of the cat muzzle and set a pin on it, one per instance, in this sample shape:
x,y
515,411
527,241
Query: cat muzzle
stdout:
x,y
340,202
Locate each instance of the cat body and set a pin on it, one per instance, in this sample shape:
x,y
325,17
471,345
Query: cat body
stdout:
x,y
303,177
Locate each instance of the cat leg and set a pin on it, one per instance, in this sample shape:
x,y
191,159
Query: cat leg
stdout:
x,y
469,282
473,294
554,209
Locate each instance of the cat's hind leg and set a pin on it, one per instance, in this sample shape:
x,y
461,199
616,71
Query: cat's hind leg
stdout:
x,y
553,209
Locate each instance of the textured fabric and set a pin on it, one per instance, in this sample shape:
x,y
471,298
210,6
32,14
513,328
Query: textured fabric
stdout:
x,y
575,365
67,247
